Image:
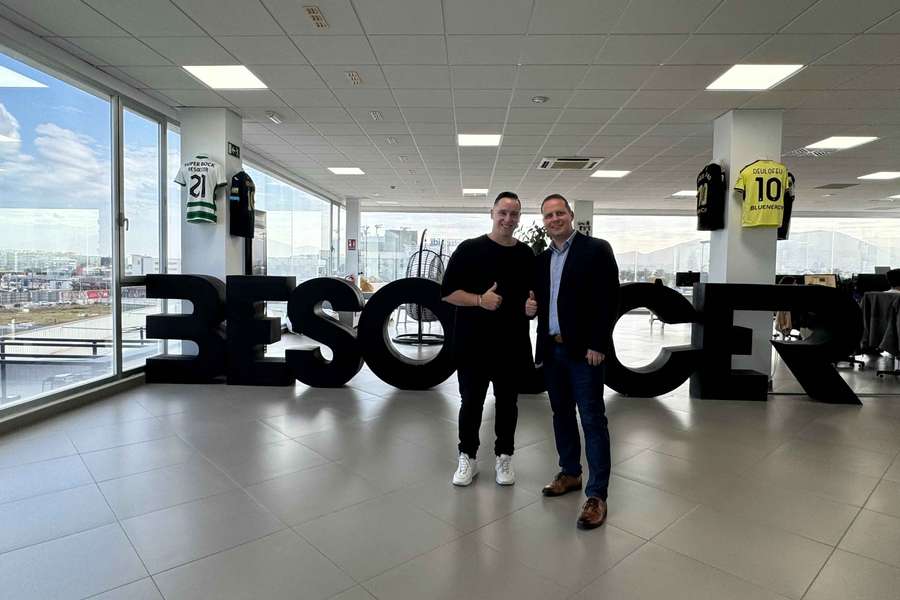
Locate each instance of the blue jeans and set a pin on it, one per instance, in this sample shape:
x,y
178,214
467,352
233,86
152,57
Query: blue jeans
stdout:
x,y
572,382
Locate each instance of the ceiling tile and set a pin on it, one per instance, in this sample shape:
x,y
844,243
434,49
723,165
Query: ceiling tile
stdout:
x,y
251,98
600,98
578,16
484,49
438,98
67,18
639,49
339,128
560,49
219,17
262,49
389,114
558,77
481,98
556,98
652,16
362,98
172,78
480,115
325,115
428,115
877,78
487,16
800,49
533,115
839,16
147,17
616,77
307,98
660,98
715,49
409,49
592,116
335,49
684,77
120,51
759,16
819,78
288,77
401,17
191,50
196,98
719,99
483,78
417,76
866,50
336,76
339,14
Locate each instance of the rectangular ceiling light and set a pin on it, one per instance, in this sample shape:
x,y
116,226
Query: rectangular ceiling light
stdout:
x,y
346,170
685,193
478,139
897,197
753,77
609,174
881,175
11,79
475,191
841,142
226,77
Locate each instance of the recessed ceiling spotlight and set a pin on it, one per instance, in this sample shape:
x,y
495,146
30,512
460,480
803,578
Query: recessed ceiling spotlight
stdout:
x,y
478,139
881,175
346,170
274,117
609,174
841,142
827,195
539,99
684,194
226,77
753,77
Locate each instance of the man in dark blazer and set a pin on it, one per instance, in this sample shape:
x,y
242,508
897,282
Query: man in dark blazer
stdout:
x,y
576,297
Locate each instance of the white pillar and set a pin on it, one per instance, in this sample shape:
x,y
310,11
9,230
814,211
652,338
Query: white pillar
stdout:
x,y
584,216
352,237
745,255
208,249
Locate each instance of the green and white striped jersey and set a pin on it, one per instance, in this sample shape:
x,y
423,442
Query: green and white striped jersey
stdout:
x,y
200,177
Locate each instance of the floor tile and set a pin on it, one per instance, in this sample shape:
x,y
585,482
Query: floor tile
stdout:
x,y
311,493
20,450
797,511
849,575
641,509
74,567
167,538
130,432
136,458
674,475
249,465
281,566
42,477
846,458
144,589
656,573
886,498
893,473
779,561
544,538
874,535
211,436
295,425
463,570
154,490
713,454
50,516
370,538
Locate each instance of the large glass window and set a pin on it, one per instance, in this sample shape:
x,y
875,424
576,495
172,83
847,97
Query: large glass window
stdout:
x,y
842,246
173,201
141,195
55,234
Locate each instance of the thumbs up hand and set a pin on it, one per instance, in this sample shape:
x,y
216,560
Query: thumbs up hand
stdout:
x,y
531,305
490,300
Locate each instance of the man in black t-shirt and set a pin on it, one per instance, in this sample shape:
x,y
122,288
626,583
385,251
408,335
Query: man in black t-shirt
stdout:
x,y
487,279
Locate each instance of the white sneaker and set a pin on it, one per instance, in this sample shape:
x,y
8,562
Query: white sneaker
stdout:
x,y
465,471
504,468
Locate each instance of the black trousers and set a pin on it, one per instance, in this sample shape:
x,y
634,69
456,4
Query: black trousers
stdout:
x,y
473,384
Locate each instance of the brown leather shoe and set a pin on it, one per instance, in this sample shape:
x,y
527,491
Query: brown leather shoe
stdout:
x,y
593,513
562,484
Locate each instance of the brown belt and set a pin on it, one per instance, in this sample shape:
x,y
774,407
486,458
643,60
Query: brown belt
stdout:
x,y
557,338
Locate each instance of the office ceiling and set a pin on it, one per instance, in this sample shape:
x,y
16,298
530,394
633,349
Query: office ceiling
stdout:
x,y
625,80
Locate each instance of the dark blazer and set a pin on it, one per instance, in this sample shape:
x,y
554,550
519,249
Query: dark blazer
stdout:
x,y
588,300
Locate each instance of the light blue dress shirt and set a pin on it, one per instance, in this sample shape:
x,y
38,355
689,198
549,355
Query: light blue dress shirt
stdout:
x,y
557,262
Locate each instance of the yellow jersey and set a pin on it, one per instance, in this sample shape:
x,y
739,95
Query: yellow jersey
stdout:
x,y
763,184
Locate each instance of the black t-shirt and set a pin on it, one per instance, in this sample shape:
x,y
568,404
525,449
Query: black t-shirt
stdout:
x,y
785,230
479,333
241,203
710,198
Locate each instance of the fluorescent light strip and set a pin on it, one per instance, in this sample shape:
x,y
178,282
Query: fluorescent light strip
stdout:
x,y
685,193
226,77
478,139
881,175
897,197
346,170
610,174
839,142
475,191
753,77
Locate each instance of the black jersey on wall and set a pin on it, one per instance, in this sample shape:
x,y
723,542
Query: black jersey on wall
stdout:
x,y
240,204
711,198
785,230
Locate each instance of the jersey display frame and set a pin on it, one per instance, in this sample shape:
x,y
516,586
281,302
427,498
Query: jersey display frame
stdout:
x,y
200,177
784,230
711,185
241,205
763,184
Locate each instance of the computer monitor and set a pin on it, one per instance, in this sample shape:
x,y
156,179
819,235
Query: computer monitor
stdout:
x,y
686,278
827,279
872,282
882,270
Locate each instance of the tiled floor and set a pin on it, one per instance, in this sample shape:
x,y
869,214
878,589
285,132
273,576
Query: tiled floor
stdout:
x,y
225,492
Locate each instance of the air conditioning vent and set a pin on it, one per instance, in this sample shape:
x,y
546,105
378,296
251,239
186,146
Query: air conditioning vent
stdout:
x,y
569,163
354,77
315,15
